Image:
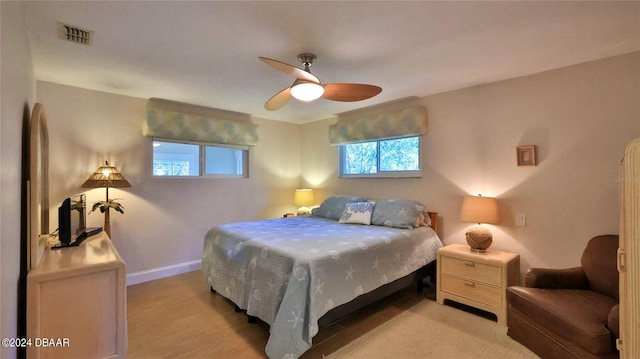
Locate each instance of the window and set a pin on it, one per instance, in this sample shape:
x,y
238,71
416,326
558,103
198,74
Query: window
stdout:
x,y
186,159
224,161
175,159
382,158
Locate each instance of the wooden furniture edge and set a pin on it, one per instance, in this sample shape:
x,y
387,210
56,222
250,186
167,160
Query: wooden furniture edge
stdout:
x,y
434,221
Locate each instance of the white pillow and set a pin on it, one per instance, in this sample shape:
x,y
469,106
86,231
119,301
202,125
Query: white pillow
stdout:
x,y
357,213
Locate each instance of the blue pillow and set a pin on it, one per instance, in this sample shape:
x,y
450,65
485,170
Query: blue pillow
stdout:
x,y
333,206
397,213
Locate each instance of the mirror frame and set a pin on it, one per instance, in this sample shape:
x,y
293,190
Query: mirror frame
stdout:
x,y
38,188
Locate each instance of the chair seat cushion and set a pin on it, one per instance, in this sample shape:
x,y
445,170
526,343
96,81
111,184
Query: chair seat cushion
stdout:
x,y
580,316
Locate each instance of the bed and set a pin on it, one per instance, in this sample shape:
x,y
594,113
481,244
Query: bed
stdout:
x,y
291,272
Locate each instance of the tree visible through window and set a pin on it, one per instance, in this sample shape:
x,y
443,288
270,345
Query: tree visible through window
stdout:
x,y
360,158
400,155
382,158
170,168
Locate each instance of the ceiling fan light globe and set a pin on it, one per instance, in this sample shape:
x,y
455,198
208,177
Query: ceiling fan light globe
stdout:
x,y
307,91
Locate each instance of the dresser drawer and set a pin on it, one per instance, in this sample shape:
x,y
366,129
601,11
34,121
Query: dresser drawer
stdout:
x,y
472,290
472,270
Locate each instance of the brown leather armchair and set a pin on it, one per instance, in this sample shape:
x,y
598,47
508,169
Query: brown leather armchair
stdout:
x,y
569,313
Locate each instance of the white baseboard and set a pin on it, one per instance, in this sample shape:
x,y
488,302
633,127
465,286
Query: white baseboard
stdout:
x,y
163,272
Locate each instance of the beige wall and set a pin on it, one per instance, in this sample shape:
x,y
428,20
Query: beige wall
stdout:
x,y
165,220
579,117
18,93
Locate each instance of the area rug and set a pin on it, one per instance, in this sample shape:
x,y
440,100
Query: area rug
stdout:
x,y
430,330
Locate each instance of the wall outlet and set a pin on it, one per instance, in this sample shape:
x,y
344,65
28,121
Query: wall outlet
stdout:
x,y
521,219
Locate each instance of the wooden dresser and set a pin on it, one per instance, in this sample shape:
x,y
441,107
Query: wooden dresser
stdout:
x,y
477,279
76,303
629,252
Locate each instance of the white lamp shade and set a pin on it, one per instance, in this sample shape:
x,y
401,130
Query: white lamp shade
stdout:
x,y
303,197
307,91
478,209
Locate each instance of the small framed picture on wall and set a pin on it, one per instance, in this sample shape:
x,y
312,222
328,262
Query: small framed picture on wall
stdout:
x,y
526,155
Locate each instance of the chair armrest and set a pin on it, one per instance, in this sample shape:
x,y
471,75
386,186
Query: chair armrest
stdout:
x,y
613,322
567,278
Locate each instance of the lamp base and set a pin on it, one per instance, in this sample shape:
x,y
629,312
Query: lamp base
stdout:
x,y
107,223
479,238
304,211
475,250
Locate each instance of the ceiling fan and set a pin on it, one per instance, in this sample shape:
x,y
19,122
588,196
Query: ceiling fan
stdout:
x,y
307,86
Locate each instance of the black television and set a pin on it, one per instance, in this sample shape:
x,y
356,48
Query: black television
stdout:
x,y
72,222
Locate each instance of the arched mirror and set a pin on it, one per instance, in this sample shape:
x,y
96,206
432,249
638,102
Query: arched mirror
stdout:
x,y
38,185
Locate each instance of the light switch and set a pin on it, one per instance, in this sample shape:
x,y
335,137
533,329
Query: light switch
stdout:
x,y
521,219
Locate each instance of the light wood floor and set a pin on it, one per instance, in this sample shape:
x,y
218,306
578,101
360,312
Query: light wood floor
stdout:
x,y
178,317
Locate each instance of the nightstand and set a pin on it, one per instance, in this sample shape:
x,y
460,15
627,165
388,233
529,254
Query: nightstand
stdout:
x,y
477,279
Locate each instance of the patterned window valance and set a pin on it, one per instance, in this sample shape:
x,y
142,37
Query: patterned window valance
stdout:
x,y
172,120
408,122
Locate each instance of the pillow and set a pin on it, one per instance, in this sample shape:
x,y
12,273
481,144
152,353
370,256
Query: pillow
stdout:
x,y
333,206
404,214
357,212
421,220
427,219
424,220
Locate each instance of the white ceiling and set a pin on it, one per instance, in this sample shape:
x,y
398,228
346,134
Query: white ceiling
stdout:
x,y
206,53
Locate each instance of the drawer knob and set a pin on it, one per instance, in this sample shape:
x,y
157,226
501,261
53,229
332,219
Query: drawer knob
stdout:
x,y
469,264
469,284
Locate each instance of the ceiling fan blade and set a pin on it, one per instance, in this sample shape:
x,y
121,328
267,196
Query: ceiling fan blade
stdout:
x,y
291,70
349,92
278,100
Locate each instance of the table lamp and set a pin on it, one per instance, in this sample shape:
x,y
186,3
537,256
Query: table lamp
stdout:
x,y
480,210
303,198
107,176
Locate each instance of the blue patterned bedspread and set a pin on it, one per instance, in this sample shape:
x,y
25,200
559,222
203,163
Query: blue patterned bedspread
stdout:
x,y
290,271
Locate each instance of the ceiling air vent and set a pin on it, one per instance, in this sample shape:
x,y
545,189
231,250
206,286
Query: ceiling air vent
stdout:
x,y
75,34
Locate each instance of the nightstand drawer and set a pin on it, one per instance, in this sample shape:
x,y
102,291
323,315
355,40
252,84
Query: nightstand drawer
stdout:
x,y
477,279
472,290
472,270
